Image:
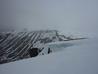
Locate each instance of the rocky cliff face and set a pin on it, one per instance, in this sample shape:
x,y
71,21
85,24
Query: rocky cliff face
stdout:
x,y
20,45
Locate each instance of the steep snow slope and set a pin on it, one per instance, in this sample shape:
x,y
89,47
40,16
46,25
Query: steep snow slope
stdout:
x,y
20,45
16,45
81,58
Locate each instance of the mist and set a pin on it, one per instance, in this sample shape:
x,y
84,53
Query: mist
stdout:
x,y
67,16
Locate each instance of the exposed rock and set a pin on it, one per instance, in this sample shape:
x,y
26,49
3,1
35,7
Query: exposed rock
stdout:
x,y
20,45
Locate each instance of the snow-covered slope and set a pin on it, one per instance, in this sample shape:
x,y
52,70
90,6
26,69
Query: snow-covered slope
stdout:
x,y
20,45
81,58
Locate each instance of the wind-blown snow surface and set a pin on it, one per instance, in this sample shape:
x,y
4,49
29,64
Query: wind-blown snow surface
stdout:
x,y
81,58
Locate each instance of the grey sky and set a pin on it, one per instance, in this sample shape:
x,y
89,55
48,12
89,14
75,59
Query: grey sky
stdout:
x,y
68,16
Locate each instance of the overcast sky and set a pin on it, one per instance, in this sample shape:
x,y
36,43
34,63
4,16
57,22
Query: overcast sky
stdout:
x,y
68,16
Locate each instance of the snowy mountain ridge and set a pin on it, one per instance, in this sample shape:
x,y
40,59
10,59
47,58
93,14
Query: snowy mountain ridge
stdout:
x,y
20,45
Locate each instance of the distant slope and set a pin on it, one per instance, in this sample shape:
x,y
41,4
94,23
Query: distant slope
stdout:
x,y
18,45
